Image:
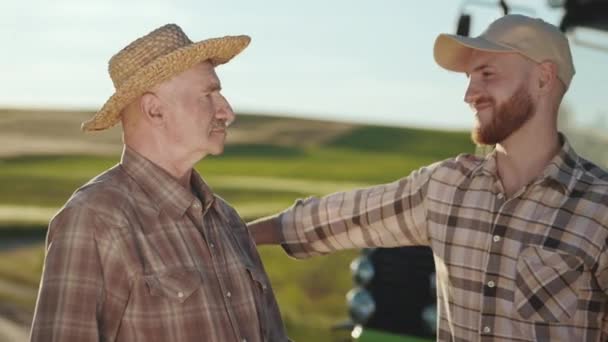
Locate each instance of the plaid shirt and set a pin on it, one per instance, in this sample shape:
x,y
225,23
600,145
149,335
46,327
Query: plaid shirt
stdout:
x,y
532,267
133,256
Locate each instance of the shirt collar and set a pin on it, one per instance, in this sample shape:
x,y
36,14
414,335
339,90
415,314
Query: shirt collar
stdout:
x,y
486,167
564,169
162,188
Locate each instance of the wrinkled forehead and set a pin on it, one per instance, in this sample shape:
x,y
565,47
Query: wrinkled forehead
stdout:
x,y
206,76
203,72
204,66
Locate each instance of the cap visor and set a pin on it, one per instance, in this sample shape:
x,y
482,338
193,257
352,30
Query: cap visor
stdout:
x,y
453,52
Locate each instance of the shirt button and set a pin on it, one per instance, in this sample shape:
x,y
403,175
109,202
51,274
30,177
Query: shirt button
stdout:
x,y
486,329
491,284
180,294
228,294
244,340
496,238
211,245
500,196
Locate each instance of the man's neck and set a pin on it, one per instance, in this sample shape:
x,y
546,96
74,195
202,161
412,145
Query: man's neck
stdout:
x,y
523,156
179,168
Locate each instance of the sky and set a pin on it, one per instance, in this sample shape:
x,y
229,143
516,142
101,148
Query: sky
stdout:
x,y
347,60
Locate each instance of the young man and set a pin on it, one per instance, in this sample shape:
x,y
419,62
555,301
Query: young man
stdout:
x,y
518,237
145,251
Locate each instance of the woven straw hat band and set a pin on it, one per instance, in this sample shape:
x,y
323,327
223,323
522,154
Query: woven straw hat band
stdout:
x,y
144,50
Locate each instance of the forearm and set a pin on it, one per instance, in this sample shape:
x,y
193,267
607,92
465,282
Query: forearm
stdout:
x,y
266,231
386,215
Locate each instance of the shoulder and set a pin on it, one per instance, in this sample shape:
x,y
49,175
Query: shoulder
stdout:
x,y
455,167
227,210
106,192
587,199
592,173
442,173
99,202
592,186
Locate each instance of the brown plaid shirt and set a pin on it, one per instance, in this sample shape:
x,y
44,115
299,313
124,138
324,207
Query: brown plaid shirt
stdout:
x,y
133,256
533,267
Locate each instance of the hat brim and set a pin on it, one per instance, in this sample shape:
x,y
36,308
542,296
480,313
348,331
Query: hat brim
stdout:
x,y
453,52
216,50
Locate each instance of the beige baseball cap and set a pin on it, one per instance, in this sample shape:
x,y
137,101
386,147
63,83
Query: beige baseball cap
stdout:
x,y
531,37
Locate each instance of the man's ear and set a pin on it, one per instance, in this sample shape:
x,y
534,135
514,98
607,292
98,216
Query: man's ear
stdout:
x,y
547,76
151,108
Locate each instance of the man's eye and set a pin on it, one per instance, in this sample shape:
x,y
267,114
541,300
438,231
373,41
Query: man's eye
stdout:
x,y
486,74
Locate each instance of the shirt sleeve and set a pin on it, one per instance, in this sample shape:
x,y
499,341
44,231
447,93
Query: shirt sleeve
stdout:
x,y
71,286
387,215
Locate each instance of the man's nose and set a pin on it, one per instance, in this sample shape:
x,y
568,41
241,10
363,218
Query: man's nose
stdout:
x,y
224,111
472,93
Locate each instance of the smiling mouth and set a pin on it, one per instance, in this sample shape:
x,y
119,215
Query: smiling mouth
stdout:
x,y
482,106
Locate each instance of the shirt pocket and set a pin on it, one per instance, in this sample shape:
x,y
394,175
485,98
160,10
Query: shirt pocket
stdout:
x,y
175,285
258,278
260,288
260,284
547,285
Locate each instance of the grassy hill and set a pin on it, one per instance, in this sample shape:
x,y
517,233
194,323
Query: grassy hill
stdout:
x,y
268,163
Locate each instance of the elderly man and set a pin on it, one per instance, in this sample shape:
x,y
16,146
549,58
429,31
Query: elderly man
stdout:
x,y
145,251
519,236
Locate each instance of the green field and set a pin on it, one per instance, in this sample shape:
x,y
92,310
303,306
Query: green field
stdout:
x,y
268,163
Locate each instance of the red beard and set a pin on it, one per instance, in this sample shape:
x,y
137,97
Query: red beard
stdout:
x,y
506,119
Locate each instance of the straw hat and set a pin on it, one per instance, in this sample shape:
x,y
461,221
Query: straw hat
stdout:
x,y
530,37
154,58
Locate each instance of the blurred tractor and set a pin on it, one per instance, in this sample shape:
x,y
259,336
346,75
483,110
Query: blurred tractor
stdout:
x,y
394,295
